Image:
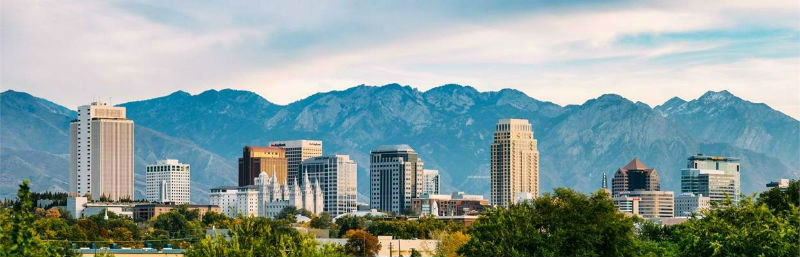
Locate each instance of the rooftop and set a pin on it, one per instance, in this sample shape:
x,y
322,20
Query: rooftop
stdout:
x,y
394,148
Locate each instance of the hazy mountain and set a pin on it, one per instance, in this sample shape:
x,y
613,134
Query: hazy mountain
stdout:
x,y
451,127
34,136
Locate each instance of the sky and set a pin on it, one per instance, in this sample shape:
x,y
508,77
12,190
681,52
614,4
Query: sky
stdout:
x,y
566,52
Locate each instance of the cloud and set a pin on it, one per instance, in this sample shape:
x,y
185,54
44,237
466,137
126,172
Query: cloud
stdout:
x,y
565,53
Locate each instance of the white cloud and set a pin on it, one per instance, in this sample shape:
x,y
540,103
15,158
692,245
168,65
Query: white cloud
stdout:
x,y
60,51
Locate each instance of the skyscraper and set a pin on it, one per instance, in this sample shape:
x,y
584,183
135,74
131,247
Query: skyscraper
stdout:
x,y
168,181
712,176
101,152
296,152
635,176
515,161
337,179
256,159
395,177
430,182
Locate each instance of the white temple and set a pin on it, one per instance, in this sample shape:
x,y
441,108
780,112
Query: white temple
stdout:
x,y
274,196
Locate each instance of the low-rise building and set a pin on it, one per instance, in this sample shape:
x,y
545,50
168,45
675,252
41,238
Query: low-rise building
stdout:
x,y
781,183
627,204
122,209
688,203
455,204
653,204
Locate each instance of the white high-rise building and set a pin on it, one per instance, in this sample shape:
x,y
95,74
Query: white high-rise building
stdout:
x,y
395,178
101,152
515,162
298,151
430,182
717,177
337,179
226,198
168,181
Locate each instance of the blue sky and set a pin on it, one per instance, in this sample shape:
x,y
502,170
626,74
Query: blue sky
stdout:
x,y
561,51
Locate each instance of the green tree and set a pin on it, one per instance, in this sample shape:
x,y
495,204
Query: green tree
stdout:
x,y
415,253
18,237
781,199
565,223
174,223
745,228
216,219
449,243
323,221
361,243
348,222
290,213
259,236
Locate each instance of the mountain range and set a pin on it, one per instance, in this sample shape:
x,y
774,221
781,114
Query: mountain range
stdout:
x,y
451,127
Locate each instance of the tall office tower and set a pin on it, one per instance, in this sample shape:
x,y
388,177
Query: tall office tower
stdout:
x,y
515,162
653,204
256,159
688,203
168,181
101,152
298,151
430,182
337,179
712,176
635,176
395,173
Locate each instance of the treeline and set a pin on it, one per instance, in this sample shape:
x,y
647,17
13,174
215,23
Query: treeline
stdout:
x,y
567,223
562,223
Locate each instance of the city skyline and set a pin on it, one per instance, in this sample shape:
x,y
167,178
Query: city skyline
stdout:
x,y
582,49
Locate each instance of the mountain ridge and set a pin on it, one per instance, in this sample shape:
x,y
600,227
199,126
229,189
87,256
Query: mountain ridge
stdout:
x,y
451,127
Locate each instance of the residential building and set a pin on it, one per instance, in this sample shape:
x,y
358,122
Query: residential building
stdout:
x,y
336,175
101,152
654,204
225,197
781,183
256,159
635,176
152,210
688,203
395,177
714,176
455,204
430,182
514,161
168,181
298,151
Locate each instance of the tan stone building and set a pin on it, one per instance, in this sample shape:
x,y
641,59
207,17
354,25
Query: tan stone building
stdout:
x,y
654,204
150,211
298,151
101,152
515,162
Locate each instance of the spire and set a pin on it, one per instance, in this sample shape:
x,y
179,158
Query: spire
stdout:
x,y
605,181
306,183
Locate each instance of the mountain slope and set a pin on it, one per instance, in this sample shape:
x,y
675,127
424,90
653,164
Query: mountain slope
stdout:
x,y
450,126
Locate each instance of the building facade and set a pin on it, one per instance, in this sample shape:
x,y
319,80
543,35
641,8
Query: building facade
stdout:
x,y
635,176
395,177
654,204
627,204
225,198
688,203
168,181
298,151
714,176
430,182
514,161
257,159
781,183
101,152
337,179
